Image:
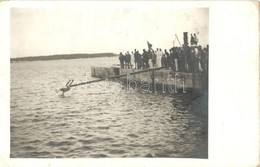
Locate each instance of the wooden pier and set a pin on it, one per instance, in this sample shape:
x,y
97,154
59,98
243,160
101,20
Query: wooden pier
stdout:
x,y
161,78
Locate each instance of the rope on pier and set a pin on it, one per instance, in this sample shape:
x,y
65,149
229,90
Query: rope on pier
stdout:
x,y
117,76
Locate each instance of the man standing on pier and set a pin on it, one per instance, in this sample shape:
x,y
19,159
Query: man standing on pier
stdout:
x,y
191,40
132,62
163,60
145,59
158,57
195,39
135,59
128,60
152,59
168,60
139,60
121,59
175,57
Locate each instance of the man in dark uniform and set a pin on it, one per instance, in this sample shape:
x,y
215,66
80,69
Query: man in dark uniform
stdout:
x,y
195,39
135,59
145,59
121,59
139,60
168,59
191,40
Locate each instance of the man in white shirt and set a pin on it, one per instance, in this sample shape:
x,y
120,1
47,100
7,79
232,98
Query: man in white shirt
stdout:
x,y
132,60
159,54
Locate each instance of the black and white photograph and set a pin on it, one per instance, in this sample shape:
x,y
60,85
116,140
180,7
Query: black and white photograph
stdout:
x,y
124,82
121,83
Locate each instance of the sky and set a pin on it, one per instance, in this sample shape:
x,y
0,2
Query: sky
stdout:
x,y
101,28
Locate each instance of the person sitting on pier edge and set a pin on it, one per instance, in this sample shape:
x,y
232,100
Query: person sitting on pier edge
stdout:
x,y
121,59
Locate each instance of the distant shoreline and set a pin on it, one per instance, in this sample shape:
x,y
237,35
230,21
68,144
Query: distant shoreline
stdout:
x,y
62,56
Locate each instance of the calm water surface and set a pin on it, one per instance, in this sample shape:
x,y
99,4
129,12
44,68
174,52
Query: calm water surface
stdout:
x,y
100,120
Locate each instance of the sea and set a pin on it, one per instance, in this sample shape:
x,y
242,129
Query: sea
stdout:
x,y
102,119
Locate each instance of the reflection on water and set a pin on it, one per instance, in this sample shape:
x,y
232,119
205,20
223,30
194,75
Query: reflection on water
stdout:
x,y
105,120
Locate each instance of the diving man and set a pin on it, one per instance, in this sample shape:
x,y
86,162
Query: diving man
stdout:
x,y
68,84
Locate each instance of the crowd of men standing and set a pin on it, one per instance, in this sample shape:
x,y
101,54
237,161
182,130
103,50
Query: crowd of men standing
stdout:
x,y
184,59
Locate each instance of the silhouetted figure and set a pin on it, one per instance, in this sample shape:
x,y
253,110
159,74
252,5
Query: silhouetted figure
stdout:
x,y
127,59
181,61
171,60
151,58
191,40
203,60
145,59
159,55
194,61
167,55
132,60
68,84
186,61
195,40
138,60
163,61
190,59
135,59
175,57
121,59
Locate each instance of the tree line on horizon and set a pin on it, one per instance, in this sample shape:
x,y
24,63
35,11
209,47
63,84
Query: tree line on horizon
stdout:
x,y
63,56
